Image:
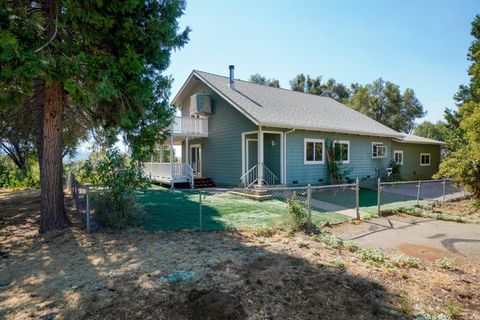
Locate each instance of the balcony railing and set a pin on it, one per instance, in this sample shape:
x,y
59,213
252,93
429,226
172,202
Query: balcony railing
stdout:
x,y
190,126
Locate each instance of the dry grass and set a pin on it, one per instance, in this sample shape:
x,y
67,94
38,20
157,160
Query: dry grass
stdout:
x,y
463,208
71,275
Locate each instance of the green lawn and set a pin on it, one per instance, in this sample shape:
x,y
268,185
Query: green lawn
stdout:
x,y
177,210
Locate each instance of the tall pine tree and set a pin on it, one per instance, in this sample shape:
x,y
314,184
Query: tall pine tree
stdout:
x,y
105,57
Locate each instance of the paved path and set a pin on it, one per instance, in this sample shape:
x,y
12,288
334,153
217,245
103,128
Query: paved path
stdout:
x,y
420,237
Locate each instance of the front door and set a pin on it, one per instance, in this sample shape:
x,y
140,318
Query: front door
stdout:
x,y
252,153
196,159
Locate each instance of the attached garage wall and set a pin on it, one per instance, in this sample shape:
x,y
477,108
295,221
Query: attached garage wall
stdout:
x,y
411,168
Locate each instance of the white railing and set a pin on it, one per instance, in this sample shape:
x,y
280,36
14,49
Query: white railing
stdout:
x,y
251,176
268,176
169,172
190,126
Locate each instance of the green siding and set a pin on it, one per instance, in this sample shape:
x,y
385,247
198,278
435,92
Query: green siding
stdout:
x,y
361,162
222,150
411,169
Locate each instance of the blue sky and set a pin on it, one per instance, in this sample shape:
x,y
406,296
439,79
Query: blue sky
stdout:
x,y
418,44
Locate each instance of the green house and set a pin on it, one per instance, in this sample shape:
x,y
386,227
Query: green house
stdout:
x,y
236,133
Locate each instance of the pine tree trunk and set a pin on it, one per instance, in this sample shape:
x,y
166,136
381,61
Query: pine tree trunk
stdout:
x,y
53,215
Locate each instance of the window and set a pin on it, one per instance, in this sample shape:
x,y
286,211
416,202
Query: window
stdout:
x,y
342,151
314,150
424,159
378,150
398,157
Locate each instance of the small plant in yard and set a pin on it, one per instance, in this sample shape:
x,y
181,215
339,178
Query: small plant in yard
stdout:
x,y
446,263
296,213
408,262
337,263
373,256
406,305
115,206
454,309
335,241
425,316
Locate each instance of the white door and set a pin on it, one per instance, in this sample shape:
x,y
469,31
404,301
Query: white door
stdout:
x,y
196,159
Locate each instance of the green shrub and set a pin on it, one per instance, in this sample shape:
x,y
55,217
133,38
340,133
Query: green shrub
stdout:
x,y
117,212
337,263
373,256
446,263
13,178
296,213
454,309
408,262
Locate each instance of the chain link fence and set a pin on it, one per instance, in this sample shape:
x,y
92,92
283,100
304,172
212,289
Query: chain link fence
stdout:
x,y
393,195
80,194
268,207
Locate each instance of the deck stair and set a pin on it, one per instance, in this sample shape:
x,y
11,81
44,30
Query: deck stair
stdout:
x,y
203,182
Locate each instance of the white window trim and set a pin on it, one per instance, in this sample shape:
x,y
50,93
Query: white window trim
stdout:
x,y
322,141
429,160
400,152
348,149
379,143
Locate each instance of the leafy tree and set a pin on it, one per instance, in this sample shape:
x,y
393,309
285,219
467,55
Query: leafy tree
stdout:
x,y
335,90
382,101
259,79
431,130
104,57
298,83
462,162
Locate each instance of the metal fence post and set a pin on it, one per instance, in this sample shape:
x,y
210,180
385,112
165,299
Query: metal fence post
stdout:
x,y
309,206
87,213
357,198
444,189
418,192
200,210
379,191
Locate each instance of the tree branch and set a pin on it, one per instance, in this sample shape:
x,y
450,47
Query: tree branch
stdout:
x,y
51,39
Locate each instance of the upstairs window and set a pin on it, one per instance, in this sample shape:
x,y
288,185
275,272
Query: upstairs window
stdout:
x,y
398,157
425,159
342,151
314,151
378,150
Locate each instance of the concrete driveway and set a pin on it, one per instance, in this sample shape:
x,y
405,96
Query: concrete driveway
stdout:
x,y
420,237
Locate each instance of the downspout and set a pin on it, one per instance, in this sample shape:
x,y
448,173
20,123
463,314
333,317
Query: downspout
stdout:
x,y
285,155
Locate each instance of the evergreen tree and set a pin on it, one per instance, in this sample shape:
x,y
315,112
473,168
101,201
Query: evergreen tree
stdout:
x,y
105,57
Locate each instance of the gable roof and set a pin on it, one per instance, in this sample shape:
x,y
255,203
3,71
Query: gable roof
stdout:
x,y
276,107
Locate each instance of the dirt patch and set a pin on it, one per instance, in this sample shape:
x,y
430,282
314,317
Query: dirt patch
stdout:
x,y
219,275
215,305
424,252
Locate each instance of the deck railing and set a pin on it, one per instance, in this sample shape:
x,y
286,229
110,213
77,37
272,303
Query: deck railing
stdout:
x,y
190,126
173,172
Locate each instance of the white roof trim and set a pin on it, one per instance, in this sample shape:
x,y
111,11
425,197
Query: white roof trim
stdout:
x,y
334,130
440,143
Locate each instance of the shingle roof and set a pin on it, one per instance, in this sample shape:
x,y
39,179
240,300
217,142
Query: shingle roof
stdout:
x,y
410,138
276,107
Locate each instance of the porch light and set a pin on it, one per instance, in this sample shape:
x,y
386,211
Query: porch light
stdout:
x,y
273,143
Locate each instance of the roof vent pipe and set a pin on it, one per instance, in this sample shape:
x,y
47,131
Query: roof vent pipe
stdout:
x,y
232,76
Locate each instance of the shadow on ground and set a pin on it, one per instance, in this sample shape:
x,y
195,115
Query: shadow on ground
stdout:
x,y
174,275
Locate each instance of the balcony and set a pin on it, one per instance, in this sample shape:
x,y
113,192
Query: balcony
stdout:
x,y
190,127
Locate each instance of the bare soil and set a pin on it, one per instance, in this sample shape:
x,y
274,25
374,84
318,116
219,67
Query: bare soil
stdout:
x,y
69,274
